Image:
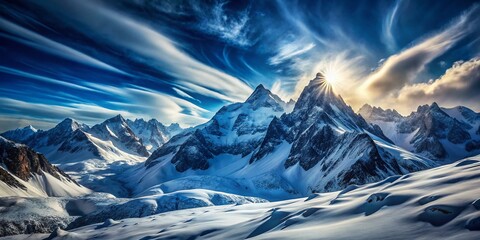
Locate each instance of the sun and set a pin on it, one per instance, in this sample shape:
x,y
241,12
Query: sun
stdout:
x,y
331,76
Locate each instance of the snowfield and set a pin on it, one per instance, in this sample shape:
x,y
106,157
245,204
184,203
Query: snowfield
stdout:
x,y
440,203
20,215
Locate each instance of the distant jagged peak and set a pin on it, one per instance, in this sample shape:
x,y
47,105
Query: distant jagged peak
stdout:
x,y
377,113
259,93
174,127
30,127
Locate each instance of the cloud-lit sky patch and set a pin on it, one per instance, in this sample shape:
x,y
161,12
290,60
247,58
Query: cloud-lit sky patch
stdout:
x,y
180,61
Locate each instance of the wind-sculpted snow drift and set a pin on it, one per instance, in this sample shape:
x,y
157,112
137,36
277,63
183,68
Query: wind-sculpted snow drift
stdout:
x,y
22,215
433,204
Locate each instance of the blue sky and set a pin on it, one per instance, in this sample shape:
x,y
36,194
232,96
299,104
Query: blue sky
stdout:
x,y
180,61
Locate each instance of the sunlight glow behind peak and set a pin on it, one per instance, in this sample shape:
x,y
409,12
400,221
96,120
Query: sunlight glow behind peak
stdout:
x,y
331,76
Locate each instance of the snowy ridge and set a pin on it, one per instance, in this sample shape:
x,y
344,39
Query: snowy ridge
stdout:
x,y
20,134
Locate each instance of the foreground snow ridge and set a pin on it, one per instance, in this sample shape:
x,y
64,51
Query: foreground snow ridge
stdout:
x,y
439,203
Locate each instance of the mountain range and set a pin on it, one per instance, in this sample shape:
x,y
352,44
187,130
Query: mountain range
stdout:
x,y
95,155
441,134
262,149
256,148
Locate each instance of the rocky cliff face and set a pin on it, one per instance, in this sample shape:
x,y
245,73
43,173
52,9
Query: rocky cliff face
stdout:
x,y
22,167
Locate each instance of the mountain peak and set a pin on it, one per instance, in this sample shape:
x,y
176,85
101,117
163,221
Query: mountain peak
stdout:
x,y
30,127
262,97
174,125
68,123
318,93
377,113
260,86
117,118
260,92
366,108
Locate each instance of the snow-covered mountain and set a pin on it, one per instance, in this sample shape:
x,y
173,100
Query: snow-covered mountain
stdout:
x,y
153,133
20,134
255,148
24,172
96,156
439,203
215,149
118,132
93,156
50,142
235,129
331,147
444,134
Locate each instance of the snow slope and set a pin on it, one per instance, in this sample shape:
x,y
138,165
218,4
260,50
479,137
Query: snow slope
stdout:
x,y
24,172
440,203
22,215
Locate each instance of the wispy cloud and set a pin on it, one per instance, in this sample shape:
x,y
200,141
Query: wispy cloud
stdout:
x,y
289,50
42,43
139,102
184,94
231,27
388,24
145,44
38,77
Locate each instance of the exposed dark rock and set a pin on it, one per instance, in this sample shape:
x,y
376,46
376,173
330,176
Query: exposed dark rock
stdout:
x,y
457,134
22,162
472,146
